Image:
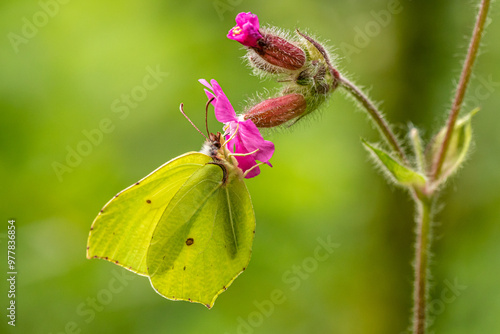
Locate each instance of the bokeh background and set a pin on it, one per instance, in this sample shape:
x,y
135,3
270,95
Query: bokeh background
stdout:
x,y
64,76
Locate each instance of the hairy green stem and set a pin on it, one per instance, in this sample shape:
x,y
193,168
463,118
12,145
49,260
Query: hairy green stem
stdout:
x,y
462,86
375,115
422,247
424,197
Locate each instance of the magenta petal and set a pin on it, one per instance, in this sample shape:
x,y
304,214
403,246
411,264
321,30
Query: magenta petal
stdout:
x,y
253,173
246,30
251,139
243,18
230,130
210,96
247,140
235,145
205,83
224,111
247,37
246,137
245,162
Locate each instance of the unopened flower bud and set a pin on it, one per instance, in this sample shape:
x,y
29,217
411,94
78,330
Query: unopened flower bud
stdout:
x,y
279,52
458,147
316,77
267,50
276,111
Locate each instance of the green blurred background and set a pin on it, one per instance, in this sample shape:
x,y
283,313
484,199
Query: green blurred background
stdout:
x,y
59,81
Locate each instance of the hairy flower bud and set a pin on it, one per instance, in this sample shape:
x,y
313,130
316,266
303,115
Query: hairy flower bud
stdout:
x,y
300,62
276,111
279,52
268,52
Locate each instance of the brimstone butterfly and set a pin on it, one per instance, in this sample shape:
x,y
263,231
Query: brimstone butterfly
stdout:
x,y
188,226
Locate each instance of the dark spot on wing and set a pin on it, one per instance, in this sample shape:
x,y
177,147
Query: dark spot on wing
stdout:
x,y
148,201
224,288
184,267
102,210
117,262
117,195
106,258
137,183
88,247
91,228
189,241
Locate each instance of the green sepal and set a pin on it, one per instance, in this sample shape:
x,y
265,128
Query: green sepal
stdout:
x,y
400,174
460,141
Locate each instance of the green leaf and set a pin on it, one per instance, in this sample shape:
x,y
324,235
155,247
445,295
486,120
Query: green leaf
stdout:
x,y
204,239
460,141
122,231
399,173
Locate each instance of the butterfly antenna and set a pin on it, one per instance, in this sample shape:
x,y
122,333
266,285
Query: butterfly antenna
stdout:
x,y
206,114
182,111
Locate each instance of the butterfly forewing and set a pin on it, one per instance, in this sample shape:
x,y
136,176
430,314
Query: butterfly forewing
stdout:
x,y
122,231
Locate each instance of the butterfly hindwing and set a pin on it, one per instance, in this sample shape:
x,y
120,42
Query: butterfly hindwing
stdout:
x,y
203,240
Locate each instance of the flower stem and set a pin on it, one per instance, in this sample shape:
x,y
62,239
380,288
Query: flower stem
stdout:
x,y
462,86
375,115
422,248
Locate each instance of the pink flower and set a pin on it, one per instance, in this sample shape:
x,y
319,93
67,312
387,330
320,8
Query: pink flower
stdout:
x,y
246,30
245,134
267,49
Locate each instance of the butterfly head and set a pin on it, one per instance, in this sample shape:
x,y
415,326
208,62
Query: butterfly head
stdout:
x,y
214,146
215,140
